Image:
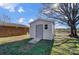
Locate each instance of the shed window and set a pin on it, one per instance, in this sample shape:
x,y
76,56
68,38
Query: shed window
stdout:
x,y
46,26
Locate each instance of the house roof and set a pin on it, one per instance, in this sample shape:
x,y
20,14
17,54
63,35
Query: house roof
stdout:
x,y
12,24
47,20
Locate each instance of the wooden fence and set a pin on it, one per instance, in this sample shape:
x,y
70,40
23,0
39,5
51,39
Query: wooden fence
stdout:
x,y
13,31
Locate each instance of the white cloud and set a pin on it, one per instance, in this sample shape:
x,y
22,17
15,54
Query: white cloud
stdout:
x,y
11,7
31,20
21,20
20,10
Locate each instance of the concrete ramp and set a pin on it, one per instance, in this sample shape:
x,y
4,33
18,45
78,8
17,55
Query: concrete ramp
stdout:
x,y
34,41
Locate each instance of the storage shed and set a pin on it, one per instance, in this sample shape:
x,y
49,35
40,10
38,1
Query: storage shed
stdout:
x,y
42,29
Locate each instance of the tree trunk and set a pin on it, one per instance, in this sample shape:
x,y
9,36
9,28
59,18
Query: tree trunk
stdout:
x,y
73,31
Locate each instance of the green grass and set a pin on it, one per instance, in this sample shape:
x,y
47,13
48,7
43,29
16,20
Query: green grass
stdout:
x,y
44,47
41,48
13,47
22,47
66,47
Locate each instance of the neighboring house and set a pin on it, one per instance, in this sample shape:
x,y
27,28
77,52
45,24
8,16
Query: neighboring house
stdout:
x,y
42,29
12,29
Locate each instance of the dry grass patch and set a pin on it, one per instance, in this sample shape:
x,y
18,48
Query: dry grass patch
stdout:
x,y
4,40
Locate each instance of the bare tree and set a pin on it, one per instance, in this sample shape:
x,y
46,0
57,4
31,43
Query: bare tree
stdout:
x,y
66,13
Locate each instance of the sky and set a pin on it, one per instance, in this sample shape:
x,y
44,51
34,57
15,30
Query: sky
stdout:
x,y
20,13
23,13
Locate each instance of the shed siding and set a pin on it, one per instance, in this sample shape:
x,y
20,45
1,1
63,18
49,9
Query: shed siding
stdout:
x,y
32,30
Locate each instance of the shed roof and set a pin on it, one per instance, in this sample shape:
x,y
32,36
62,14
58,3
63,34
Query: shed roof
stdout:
x,y
47,20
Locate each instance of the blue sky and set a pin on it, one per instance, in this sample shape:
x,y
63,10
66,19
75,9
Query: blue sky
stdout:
x,y
23,13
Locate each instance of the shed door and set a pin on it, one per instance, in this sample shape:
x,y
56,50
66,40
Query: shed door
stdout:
x,y
39,31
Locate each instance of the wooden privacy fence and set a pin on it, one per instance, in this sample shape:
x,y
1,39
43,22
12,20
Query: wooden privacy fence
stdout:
x,y
13,31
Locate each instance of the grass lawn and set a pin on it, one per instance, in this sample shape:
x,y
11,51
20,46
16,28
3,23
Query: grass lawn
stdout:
x,y
41,48
13,48
22,47
64,45
4,40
